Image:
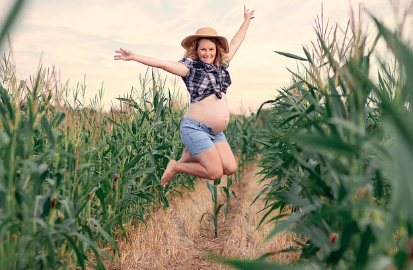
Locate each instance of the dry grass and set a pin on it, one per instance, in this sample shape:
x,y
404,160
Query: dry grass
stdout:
x,y
175,239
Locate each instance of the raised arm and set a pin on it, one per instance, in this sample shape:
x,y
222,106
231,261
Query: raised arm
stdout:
x,y
240,35
169,66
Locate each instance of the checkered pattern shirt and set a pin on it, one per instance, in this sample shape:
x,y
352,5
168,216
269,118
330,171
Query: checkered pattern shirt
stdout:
x,y
204,79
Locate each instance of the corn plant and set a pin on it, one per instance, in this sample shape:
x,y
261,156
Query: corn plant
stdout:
x,y
35,217
340,147
241,133
240,137
78,177
227,193
73,178
39,220
213,188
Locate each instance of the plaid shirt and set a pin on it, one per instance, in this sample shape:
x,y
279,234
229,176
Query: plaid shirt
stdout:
x,y
204,79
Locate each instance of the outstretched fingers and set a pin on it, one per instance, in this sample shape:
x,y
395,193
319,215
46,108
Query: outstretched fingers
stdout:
x,y
248,14
122,54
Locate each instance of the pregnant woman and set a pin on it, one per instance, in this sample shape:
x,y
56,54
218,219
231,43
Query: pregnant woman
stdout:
x,y
203,69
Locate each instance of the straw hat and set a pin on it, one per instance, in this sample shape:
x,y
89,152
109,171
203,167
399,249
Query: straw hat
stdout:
x,y
205,32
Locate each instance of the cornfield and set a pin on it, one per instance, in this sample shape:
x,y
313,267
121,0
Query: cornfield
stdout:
x,y
335,151
338,149
73,178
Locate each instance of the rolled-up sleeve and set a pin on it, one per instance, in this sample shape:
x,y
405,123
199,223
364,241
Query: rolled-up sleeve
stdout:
x,y
189,63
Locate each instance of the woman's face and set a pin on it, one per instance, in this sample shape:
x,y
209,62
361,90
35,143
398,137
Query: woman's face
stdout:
x,y
206,51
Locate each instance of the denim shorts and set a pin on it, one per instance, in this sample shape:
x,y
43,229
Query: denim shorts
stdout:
x,y
198,137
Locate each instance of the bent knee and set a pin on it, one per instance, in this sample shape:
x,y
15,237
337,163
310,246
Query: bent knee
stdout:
x,y
216,173
230,170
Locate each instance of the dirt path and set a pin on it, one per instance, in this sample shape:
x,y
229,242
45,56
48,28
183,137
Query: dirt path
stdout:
x,y
176,239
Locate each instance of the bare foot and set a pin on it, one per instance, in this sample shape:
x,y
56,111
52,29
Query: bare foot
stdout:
x,y
186,157
169,173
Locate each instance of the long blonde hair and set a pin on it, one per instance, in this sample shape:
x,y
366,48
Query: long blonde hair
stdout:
x,y
220,56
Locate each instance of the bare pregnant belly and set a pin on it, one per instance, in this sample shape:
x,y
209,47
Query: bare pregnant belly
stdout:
x,y
211,111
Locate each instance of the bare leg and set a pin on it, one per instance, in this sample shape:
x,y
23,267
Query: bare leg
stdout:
x,y
209,166
170,170
229,165
187,157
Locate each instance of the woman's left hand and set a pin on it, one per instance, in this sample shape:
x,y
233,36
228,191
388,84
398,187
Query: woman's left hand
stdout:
x,y
248,15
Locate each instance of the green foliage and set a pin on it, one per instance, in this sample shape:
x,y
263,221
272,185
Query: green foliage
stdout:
x,y
228,194
72,178
338,152
241,135
217,207
10,18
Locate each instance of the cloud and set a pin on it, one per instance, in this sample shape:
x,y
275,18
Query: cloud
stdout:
x,y
79,38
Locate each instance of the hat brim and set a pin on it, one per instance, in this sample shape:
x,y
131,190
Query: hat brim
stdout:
x,y
188,41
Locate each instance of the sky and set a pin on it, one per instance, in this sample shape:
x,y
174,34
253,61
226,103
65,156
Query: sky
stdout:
x,y
79,38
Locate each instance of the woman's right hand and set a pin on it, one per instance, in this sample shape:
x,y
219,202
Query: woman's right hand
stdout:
x,y
124,55
169,66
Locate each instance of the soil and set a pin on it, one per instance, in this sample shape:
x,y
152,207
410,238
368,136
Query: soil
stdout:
x,y
174,238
